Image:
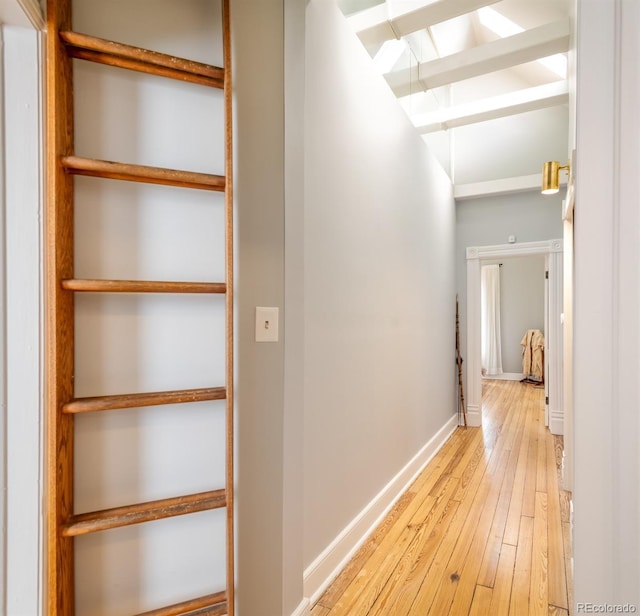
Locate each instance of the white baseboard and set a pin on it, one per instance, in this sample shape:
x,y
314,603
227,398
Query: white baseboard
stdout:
x,y
556,422
326,567
474,415
304,609
505,376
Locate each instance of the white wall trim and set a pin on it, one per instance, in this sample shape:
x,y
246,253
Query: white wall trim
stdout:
x,y
554,349
475,255
524,249
23,267
503,186
3,347
23,13
33,10
325,568
556,421
304,609
505,376
606,321
474,415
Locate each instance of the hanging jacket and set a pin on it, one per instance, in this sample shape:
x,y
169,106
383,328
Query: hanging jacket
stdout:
x,y
533,355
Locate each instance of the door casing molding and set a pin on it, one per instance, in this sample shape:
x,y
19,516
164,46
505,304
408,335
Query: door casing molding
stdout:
x,y
22,176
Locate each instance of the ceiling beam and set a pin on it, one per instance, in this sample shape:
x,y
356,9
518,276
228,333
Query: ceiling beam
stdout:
x,y
505,186
529,99
504,53
381,29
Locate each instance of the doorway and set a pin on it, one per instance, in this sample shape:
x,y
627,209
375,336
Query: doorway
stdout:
x,y
519,305
551,250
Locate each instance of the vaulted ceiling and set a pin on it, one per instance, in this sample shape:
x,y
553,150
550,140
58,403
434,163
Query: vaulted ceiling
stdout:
x,y
459,63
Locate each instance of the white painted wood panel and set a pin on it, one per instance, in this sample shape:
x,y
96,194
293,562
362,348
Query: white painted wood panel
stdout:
x,y
607,309
23,219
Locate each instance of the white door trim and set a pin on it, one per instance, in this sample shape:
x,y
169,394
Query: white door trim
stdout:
x,y
606,321
21,264
552,250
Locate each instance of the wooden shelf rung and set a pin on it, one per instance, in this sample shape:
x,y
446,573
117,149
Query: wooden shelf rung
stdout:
x,y
84,285
211,605
94,49
127,401
139,513
142,173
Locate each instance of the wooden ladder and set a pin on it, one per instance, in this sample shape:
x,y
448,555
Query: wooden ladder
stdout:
x,y
62,165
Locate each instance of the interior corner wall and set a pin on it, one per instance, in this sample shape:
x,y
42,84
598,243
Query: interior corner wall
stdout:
x,y
489,221
379,284
293,478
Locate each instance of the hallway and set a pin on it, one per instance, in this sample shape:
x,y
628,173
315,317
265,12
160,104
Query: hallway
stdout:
x,y
484,529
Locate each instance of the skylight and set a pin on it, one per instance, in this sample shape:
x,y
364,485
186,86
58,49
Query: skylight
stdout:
x,y
503,27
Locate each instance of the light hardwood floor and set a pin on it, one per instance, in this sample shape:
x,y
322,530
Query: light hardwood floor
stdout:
x,y
483,530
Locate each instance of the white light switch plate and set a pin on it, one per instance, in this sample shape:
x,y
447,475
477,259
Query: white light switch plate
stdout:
x,y
266,324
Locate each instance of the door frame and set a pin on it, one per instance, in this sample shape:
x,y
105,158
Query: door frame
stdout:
x,y
553,252
21,202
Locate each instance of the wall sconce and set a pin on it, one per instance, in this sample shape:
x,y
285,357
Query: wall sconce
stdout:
x,y
551,176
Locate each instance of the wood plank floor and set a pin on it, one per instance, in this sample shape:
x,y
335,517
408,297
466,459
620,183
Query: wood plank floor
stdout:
x,y
484,529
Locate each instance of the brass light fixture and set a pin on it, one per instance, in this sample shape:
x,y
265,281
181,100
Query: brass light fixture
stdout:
x,y
551,176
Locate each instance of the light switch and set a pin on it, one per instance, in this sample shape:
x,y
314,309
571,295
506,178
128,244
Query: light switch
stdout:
x,y
266,324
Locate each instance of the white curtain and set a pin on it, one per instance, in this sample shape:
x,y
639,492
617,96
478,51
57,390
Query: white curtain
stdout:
x,y
490,320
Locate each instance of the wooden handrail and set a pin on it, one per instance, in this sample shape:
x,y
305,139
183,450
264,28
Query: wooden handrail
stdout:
x,y
83,285
142,173
99,50
118,517
212,605
128,401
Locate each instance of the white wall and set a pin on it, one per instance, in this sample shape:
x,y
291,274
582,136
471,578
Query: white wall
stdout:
x,y
521,306
133,343
379,287
258,57
511,146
